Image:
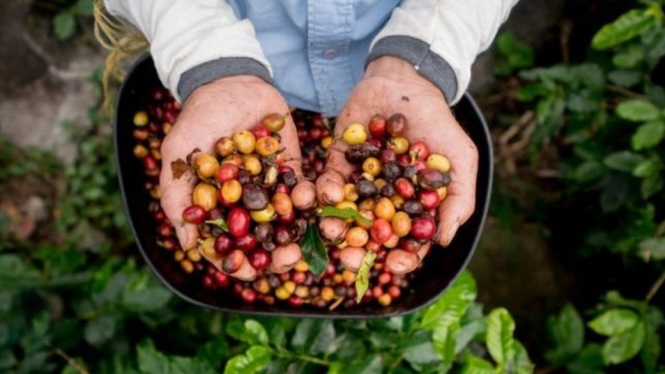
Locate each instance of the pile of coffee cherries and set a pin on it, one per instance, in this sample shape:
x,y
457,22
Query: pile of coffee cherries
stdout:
x,y
397,186
252,212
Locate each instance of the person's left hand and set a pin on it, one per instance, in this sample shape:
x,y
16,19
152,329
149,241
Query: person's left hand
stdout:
x,y
390,86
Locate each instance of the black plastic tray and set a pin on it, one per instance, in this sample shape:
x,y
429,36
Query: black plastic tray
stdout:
x,y
439,270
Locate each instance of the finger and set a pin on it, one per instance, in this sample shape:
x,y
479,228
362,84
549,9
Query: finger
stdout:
x,y
176,196
460,201
292,146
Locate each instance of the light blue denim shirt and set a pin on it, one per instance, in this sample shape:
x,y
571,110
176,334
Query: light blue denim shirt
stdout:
x,y
318,49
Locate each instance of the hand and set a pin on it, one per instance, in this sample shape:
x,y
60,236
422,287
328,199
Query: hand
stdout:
x,y
212,111
392,85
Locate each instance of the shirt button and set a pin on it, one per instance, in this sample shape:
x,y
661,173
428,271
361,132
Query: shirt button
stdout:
x,y
330,54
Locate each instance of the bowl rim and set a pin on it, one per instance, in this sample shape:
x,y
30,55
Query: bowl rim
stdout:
x,y
484,210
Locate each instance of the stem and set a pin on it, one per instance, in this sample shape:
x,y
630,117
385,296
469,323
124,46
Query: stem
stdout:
x,y
656,286
623,91
310,359
395,363
79,368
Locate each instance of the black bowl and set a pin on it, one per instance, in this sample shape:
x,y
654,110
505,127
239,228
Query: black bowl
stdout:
x,y
438,272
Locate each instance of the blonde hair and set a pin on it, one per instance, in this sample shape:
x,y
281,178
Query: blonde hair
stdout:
x,y
123,42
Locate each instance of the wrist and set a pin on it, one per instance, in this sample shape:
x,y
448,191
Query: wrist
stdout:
x,y
398,70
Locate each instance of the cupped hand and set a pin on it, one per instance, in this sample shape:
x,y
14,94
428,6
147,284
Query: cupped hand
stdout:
x,y
390,86
212,111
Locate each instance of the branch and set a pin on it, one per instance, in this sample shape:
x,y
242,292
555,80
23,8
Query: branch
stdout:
x,y
71,361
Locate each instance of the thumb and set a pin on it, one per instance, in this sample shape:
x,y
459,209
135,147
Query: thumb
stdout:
x,y
176,197
291,145
330,185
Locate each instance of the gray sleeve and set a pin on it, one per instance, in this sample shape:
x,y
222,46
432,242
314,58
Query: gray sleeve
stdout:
x,y
418,53
217,69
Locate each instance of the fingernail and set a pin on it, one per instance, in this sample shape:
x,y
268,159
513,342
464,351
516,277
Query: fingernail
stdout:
x,y
451,234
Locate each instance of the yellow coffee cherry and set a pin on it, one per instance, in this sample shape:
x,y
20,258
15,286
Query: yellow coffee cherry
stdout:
x,y
355,134
253,165
244,141
399,145
438,162
372,165
141,118
232,190
264,215
350,192
384,209
325,142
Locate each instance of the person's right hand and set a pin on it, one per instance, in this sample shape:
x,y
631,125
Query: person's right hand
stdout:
x,y
212,111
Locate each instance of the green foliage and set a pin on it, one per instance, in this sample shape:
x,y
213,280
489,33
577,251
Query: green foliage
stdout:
x,y
66,15
515,55
606,116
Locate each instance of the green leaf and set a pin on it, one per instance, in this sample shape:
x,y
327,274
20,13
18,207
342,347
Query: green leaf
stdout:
x,y
100,330
623,160
476,365
368,365
625,78
419,350
314,251
629,58
251,362
249,331
651,185
623,347
523,364
346,213
637,110
64,25
362,278
614,322
648,168
500,342
652,248
256,332
146,299
150,360
219,222
648,135
85,7
589,361
626,27
444,339
567,333
313,336
651,349
454,302
7,359
588,171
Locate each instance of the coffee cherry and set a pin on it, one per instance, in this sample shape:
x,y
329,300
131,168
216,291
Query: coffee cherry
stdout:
x,y
399,145
226,172
419,151
263,215
381,231
366,188
223,244
259,259
267,146
438,162
140,118
401,224
263,232
194,214
356,237
246,242
248,295
355,134
423,228
206,165
252,164
396,125
429,199
238,221
222,279
260,132
205,196
432,179
224,147
372,166
231,191
274,122
384,209
282,203
377,126
233,261
140,151
244,141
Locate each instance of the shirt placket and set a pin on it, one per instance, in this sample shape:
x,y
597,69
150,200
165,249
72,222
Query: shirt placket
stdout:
x,y
329,28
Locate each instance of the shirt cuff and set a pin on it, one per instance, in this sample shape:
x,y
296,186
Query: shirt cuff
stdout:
x,y
217,69
417,52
